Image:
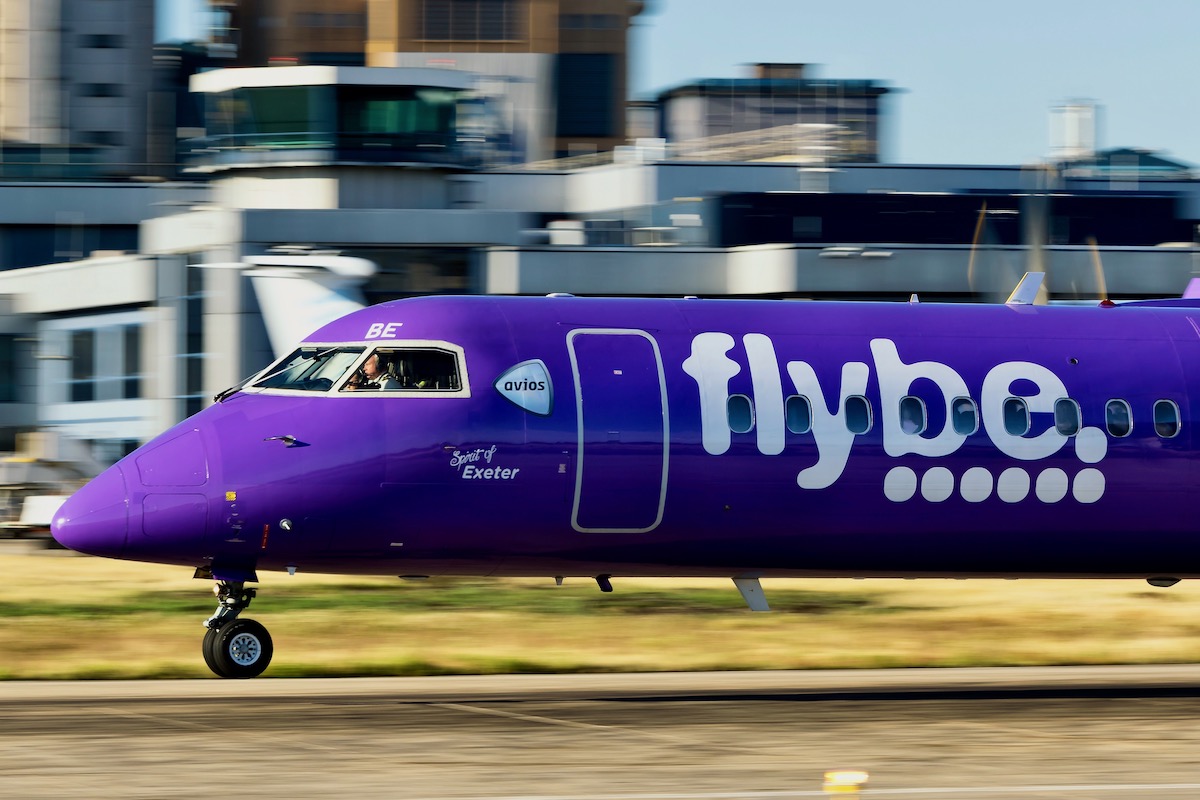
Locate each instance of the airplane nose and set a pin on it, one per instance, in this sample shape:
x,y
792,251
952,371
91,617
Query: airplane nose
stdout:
x,y
95,520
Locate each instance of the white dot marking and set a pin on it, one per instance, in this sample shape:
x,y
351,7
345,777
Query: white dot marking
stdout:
x,y
937,484
1089,485
1091,445
1052,485
976,485
900,484
1013,486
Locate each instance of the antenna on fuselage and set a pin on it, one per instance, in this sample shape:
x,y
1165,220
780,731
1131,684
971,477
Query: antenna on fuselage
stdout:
x,y
1027,291
1101,283
975,246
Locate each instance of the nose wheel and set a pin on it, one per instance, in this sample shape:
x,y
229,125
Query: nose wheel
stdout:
x,y
233,647
241,648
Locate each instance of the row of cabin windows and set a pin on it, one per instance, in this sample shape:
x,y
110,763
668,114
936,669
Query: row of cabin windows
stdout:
x,y
964,416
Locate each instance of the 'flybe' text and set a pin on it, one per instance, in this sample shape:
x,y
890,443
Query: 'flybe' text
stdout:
x,y
712,370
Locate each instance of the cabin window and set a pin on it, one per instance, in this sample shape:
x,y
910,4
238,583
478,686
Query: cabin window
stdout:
x,y
964,416
1016,417
1067,419
311,369
741,413
858,414
1166,419
913,419
799,414
1119,418
407,369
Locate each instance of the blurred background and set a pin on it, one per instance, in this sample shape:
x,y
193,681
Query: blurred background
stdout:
x,y
187,187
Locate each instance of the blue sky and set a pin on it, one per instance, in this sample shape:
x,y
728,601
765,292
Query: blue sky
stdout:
x,y
976,79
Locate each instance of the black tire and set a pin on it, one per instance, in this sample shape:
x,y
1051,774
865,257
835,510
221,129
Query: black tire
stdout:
x,y
209,648
242,649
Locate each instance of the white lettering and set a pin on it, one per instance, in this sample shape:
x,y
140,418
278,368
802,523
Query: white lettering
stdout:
x,y
712,370
490,473
380,330
895,381
768,393
833,438
997,387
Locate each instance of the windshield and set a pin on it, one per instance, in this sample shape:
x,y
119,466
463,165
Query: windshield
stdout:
x,y
311,369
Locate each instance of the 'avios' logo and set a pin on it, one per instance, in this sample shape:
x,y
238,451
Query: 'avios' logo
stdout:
x,y
527,385
712,369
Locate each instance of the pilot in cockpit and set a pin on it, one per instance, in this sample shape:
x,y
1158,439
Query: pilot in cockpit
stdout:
x,y
373,375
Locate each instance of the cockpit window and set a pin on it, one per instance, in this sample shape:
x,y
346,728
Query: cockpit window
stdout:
x,y
407,369
311,369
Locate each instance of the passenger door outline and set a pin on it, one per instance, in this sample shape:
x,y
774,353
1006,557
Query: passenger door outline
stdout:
x,y
580,455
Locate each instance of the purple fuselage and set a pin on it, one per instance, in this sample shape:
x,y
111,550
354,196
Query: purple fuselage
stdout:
x,y
670,437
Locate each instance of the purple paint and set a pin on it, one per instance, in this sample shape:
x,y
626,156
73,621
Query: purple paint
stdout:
x,y
651,480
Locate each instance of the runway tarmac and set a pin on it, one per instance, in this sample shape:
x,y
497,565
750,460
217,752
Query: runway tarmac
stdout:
x,y
972,734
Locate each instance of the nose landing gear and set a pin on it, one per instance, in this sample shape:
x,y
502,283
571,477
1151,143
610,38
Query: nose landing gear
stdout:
x,y
235,648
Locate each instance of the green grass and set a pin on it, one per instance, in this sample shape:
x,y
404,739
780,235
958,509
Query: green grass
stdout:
x,y
460,595
63,616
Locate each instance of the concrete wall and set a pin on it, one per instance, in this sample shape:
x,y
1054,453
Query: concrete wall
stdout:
x,y
90,283
95,203
800,271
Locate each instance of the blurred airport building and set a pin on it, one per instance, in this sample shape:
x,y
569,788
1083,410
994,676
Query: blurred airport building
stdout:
x,y
422,160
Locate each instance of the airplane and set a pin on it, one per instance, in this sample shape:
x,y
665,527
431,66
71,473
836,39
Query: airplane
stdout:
x,y
565,436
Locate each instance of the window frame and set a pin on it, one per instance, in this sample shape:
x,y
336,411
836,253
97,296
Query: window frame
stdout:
x,y
728,417
1128,415
1024,410
1078,417
870,414
369,348
1175,412
392,351
924,418
787,420
974,416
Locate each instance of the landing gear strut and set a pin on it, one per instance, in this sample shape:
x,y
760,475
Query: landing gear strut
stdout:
x,y
235,648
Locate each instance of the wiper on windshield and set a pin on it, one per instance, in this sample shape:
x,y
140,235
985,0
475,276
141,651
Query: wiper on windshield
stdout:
x,y
225,394
307,369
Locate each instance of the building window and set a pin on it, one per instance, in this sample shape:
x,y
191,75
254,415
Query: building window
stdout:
x,y
106,363
101,41
83,367
8,368
471,20
100,90
192,369
131,380
102,138
581,22
586,94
